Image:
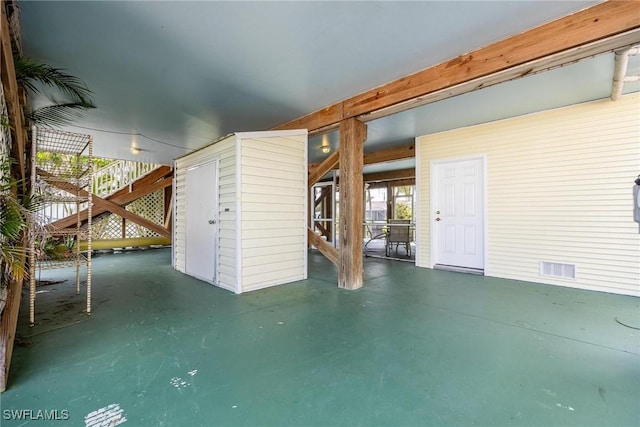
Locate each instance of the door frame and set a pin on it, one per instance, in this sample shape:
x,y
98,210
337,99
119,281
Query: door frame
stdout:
x,y
311,212
216,260
433,201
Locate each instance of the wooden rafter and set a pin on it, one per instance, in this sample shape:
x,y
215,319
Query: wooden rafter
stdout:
x,y
391,175
600,28
325,248
328,164
380,156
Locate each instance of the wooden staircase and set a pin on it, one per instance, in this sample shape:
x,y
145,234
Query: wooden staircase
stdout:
x,y
159,178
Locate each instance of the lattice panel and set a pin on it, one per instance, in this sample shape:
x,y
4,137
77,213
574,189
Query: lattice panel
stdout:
x,y
109,227
150,207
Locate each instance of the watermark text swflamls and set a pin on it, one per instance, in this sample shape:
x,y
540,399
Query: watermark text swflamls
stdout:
x,y
35,414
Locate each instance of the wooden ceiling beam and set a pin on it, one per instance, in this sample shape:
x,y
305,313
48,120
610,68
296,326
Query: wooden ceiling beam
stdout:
x,y
381,156
601,28
390,154
390,176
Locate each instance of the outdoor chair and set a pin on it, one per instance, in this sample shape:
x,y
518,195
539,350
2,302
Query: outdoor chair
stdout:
x,y
398,232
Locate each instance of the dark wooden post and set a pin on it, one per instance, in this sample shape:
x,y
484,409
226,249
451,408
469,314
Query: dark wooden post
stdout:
x,y
353,133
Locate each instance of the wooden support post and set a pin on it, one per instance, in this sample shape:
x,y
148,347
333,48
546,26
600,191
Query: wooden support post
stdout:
x,y
12,95
353,133
8,325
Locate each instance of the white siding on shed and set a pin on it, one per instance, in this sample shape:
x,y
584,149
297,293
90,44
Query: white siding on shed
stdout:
x,y
274,204
262,184
558,190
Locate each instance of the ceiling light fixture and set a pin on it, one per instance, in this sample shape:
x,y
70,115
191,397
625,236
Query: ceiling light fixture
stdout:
x,y
135,150
326,149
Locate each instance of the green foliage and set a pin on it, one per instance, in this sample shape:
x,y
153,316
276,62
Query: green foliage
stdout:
x,y
403,211
403,190
68,164
4,122
13,222
16,215
76,96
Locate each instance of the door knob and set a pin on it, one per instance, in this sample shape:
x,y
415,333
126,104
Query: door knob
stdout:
x,y
437,219
212,221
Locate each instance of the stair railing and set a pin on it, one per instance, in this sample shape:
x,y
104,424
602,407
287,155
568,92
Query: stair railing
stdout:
x,y
117,175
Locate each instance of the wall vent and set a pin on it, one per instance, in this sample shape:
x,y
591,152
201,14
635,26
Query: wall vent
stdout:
x,y
557,269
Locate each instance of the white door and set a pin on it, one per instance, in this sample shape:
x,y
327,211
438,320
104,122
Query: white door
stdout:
x,y
201,226
458,213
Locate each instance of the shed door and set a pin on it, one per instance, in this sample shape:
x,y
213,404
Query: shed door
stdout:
x,y
201,221
458,213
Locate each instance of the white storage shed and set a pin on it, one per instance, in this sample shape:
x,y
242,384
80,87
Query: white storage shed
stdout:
x,y
240,214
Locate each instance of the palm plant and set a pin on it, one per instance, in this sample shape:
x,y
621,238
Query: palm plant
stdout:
x,y
18,210
16,214
12,223
33,75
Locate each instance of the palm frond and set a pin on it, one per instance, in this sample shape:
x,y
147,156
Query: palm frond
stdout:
x,y
12,258
29,71
57,114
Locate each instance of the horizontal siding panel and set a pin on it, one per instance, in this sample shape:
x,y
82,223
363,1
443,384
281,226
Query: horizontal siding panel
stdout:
x,y
273,257
264,161
265,199
226,233
297,191
258,252
252,206
227,264
227,251
295,239
558,188
273,234
282,216
281,145
271,173
293,184
282,266
260,281
274,150
518,258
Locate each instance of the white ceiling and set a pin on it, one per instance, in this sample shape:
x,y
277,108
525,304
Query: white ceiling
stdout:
x,y
173,76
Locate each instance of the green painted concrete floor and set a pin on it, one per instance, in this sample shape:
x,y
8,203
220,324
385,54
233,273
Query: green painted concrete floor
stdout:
x,y
415,347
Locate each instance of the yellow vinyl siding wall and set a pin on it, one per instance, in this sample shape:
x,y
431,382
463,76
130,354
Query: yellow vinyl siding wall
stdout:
x,y
224,151
558,189
273,194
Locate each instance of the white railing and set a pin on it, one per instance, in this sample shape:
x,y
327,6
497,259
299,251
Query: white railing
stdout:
x,y
117,175
106,181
